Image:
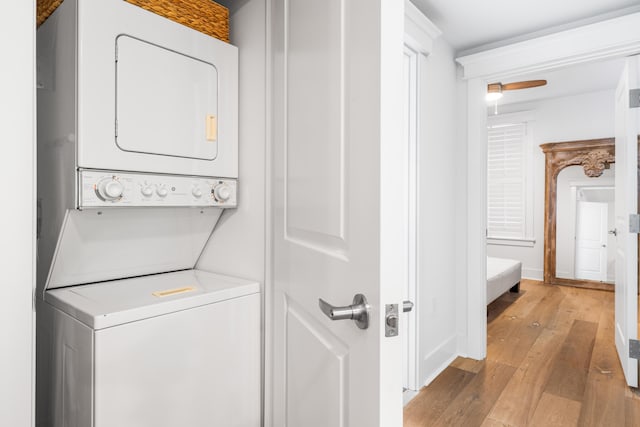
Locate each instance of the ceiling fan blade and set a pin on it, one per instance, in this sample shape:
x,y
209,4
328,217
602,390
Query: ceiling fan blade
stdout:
x,y
523,85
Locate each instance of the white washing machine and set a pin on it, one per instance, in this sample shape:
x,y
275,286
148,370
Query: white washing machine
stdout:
x,y
168,350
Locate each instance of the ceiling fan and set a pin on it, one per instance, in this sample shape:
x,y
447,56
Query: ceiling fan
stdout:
x,y
494,90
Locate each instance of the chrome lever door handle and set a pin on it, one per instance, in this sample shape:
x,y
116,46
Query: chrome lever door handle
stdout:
x,y
407,306
358,311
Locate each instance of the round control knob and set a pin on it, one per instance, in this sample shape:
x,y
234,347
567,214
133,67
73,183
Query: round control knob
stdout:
x,y
162,191
222,192
197,192
110,189
147,191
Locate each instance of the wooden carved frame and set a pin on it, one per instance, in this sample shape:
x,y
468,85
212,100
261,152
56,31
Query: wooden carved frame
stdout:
x,y
594,156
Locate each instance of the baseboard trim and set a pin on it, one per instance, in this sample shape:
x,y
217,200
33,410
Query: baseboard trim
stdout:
x,y
533,273
438,360
407,396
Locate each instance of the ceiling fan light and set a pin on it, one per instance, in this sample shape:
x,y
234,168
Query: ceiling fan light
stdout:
x,y
493,96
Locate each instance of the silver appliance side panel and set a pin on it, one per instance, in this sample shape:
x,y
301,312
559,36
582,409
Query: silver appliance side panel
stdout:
x,y
114,243
56,80
64,370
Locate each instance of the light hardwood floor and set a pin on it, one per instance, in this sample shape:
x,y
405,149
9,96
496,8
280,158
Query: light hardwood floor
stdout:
x,y
551,361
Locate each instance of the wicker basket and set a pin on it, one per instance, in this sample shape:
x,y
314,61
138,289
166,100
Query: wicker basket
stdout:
x,y
44,9
205,16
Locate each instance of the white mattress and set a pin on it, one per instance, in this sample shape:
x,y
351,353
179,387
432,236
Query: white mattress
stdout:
x,y
502,275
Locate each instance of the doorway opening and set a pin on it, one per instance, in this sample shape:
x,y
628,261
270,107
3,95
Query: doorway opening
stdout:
x,y
580,105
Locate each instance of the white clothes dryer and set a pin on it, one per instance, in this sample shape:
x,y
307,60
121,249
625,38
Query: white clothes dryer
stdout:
x,y
134,91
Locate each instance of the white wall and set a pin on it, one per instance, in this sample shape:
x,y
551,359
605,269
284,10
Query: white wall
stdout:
x,y
17,216
572,118
237,245
437,171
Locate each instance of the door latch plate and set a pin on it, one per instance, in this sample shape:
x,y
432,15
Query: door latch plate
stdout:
x,y
634,349
391,319
634,223
634,98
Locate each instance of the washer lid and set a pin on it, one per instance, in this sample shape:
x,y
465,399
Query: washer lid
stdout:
x,y
113,303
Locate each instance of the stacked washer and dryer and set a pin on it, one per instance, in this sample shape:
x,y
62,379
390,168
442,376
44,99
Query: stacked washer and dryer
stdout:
x,y
137,159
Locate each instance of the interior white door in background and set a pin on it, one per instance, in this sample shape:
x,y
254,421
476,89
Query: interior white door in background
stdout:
x,y
626,200
337,197
591,240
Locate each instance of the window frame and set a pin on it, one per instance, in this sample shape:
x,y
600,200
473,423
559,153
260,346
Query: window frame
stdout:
x,y
528,119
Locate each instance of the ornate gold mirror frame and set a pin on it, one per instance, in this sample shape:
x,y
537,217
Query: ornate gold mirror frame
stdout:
x,y
594,155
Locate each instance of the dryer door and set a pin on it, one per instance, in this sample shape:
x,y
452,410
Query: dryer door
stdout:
x,y
152,95
167,102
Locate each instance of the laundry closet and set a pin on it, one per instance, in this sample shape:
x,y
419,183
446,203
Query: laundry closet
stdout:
x,y
151,218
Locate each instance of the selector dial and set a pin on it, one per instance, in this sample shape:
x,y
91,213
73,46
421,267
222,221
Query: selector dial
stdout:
x,y
162,191
110,189
197,192
147,191
222,192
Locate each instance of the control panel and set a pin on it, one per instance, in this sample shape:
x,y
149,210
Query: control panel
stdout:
x,y
107,188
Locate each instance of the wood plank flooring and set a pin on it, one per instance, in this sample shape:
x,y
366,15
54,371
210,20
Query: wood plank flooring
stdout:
x,y
551,361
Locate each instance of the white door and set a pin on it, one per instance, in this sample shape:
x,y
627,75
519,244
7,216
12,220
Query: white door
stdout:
x,y
627,126
591,240
337,123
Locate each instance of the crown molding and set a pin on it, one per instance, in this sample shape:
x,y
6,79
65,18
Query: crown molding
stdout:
x,y
606,39
419,31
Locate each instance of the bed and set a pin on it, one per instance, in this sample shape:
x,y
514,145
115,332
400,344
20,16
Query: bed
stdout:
x,y
502,275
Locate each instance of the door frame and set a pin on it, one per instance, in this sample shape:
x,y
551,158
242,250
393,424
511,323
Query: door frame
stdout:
x,y
18,223
410,331
607,39
419,35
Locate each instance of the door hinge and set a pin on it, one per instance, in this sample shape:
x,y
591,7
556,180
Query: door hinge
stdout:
x,y
634,98
634,349
634,223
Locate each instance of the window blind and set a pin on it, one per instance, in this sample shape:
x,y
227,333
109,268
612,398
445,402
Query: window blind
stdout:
x,y
506,181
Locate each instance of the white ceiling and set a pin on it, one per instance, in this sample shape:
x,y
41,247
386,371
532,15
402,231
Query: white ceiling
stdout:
x,y
574,80
471,23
